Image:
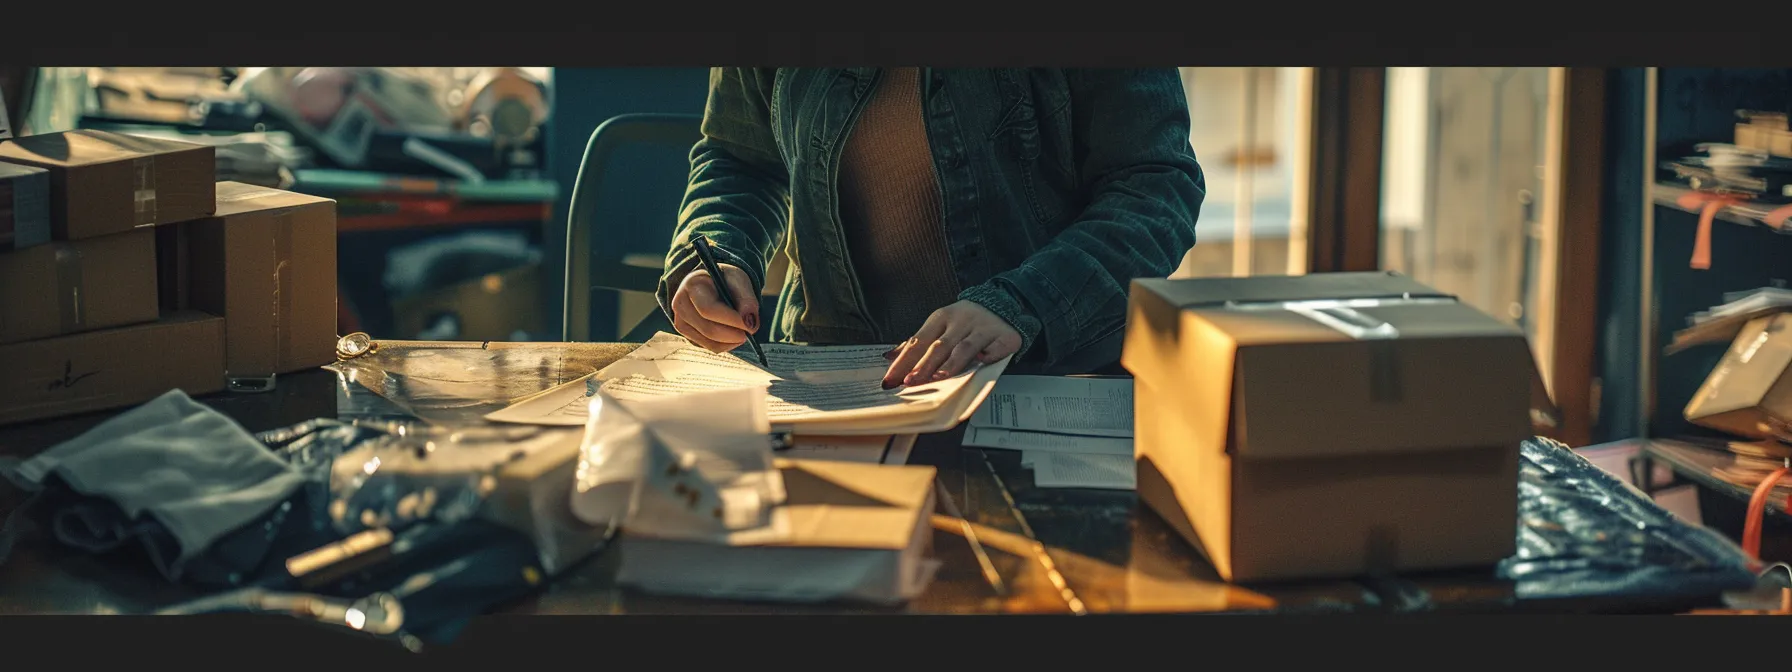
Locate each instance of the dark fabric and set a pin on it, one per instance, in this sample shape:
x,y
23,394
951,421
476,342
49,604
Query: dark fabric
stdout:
x,y
1058,187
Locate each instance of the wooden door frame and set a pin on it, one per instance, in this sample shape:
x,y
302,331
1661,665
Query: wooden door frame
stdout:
x,y
1344,208
1578,181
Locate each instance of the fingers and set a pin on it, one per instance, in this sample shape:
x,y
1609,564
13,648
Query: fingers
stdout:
x,y
708,303
745,297
915,348
963,354
1002,346
929,368
685,329
691,322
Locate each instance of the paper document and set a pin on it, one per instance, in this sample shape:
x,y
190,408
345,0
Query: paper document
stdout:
x,y
1074,470
1015,439
1062,405
868,449
831,389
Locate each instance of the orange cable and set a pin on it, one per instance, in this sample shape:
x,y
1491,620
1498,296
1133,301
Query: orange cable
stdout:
x,y
1757,510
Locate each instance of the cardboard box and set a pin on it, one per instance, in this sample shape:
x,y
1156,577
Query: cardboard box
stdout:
x,y
1327,425
24,206
267,263
859,532
66,288
173,282
112,368
104,183
1749,387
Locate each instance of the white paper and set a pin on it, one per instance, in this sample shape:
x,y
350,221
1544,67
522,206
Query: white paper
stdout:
x,y
568,405
900,448
836,388
1081,406
1073,470
697,468
868,449
1013,439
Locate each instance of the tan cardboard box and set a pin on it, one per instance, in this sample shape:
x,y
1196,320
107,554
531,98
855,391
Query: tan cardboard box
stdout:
x,y
858,532
1749,387
66,288
111,368
266,261
103,183
1370,426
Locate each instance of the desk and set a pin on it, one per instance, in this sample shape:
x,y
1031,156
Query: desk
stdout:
x,y
1051,551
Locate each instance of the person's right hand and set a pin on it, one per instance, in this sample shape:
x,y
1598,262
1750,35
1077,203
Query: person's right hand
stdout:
x,y
699,314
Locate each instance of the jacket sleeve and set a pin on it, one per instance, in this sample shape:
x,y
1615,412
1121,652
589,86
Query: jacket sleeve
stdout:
x,y
738,194
1144,192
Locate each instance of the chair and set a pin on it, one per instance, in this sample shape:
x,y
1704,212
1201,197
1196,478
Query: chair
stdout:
x,y
626,197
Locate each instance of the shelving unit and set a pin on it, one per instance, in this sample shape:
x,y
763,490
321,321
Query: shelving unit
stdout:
x,y
1747,214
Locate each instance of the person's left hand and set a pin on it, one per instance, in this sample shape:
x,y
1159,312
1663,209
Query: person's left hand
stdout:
x,y
948,341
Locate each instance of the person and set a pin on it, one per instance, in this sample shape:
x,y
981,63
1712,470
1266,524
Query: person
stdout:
x,y
978,213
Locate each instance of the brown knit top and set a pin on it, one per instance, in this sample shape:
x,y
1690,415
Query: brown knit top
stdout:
x,y
890,209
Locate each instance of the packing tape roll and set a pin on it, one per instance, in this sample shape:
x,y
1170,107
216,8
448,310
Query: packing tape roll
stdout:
x,y
69,301
145,190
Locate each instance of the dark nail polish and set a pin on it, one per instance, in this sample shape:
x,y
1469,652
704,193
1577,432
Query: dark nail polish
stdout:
x,y
891,355
891,385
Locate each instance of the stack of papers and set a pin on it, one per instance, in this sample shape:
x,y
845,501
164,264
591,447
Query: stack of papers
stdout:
x,y
868,449
1073,432
811,390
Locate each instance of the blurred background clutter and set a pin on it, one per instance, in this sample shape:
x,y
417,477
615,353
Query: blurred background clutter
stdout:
x,y
455,184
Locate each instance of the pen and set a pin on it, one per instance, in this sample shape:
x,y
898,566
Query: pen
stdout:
x,y
708,257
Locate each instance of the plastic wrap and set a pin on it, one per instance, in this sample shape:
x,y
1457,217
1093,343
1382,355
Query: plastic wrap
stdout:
x,y
1583,532
457,383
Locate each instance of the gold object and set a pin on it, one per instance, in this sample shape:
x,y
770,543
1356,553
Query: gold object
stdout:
x,y
355,345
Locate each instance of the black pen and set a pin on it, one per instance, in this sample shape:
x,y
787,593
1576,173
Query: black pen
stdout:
x,y
708,257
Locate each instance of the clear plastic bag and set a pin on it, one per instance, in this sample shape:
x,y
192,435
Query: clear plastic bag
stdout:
x,y
457,383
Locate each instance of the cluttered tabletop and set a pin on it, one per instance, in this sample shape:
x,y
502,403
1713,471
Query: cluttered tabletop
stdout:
x,y
1002,530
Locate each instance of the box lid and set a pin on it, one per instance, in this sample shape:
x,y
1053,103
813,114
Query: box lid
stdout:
x,y
236,198
1750,377
14,170
850,505
1335,364
85,147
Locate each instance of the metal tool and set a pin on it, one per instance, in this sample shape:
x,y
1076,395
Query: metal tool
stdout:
x,y
377,614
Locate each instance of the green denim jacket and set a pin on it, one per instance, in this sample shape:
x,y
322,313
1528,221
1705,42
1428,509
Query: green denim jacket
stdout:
x,y
1059,186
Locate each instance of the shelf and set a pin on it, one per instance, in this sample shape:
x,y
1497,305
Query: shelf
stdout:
x,y
1668,194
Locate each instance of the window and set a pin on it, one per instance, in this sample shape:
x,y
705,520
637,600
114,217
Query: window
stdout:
x,y
1249,128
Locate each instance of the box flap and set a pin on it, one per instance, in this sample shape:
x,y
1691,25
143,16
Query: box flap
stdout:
x,y
1746,377
1191,292
235,198
1362,397
850,505
85,147
12,170
1338,364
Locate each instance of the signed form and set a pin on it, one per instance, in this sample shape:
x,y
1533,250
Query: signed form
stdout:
x,y
834,389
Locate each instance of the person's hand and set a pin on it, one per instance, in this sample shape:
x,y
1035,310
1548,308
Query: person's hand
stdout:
x,y
949,341
699,314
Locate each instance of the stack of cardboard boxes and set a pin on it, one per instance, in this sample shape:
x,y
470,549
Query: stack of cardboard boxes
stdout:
x,y
127,271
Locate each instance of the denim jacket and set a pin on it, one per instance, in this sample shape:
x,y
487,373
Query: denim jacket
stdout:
x,y
1058,187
